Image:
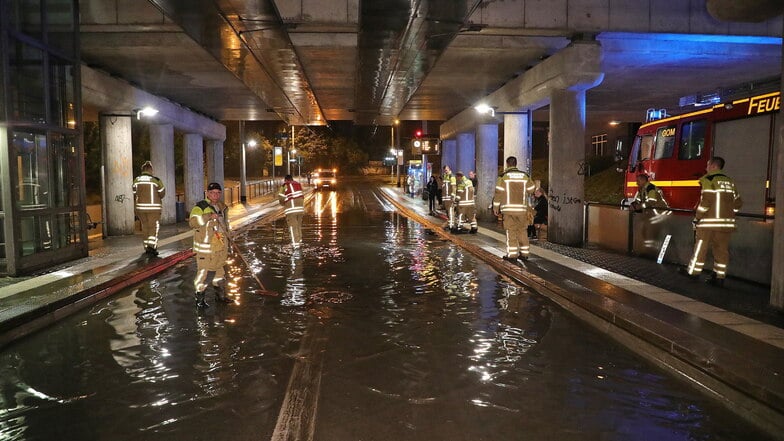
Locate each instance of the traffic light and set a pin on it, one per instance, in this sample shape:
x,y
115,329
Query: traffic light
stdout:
x,y
418,133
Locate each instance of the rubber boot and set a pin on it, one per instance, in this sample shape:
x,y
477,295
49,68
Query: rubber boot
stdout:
x,y
220,295
200,302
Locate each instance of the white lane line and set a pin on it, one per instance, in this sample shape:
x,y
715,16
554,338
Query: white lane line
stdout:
x,y
297,417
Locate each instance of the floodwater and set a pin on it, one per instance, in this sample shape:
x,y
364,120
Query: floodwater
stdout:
x,y
382,331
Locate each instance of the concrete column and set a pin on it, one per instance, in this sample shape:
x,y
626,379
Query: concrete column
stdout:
x,y
567,153
466,153
517,139
118,175
214,149
193,156
162,157
777,276
486,169
449,153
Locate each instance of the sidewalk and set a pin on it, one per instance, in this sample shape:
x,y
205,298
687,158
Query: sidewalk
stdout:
x,y
725,340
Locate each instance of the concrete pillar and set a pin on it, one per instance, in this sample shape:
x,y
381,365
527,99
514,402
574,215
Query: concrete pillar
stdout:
x,y
214,149
162,157
118,175
486,169
567,153
517,139
777,276
466,153
193,156
449,153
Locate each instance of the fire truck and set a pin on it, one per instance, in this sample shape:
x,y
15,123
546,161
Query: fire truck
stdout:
x,y
674,150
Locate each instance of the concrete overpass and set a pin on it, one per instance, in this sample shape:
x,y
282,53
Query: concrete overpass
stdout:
x,y
575,63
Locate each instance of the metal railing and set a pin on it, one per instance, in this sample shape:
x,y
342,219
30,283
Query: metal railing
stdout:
x,y
231,195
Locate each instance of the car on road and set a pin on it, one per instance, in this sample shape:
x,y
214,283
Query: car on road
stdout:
x,y
325,179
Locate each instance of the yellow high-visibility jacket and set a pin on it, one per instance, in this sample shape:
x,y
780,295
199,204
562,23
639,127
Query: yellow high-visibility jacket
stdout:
x,y
463,192
148,191
448,186
512,190
210,235
719,201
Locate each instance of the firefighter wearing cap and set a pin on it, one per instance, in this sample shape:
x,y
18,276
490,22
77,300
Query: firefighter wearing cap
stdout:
x,y
293,199
448,186
463,197
211,242
148,191
512,193
714,221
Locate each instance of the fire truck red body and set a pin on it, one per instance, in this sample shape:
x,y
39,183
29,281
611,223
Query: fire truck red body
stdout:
x,y
674,151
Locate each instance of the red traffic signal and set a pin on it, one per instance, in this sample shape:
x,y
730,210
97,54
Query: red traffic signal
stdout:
x,y
418,133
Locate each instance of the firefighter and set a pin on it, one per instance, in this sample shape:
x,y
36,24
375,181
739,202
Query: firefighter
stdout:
x,y
211,242
512,194
648,197
148,191
650,202
714,221
292,198
446,196
463,197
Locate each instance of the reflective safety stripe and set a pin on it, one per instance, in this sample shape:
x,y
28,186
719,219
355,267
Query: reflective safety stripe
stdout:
x,y
694,266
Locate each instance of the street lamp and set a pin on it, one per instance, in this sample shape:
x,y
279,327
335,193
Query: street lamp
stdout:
x,y
485,109
299,170
396,151
146,111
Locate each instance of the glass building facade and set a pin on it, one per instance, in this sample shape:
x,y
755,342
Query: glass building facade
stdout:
x,y
42,212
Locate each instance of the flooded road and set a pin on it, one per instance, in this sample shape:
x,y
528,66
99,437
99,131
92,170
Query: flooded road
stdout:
x,y
382,331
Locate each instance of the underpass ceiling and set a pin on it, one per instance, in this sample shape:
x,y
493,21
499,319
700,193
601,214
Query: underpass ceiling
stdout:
x,y
372,61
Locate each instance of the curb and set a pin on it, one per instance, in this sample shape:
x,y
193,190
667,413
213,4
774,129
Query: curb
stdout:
x,y
43,316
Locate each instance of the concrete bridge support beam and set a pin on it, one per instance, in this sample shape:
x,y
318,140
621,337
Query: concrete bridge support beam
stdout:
x,y
193,156
162,157
517,139
215,161
567,155
466,153
449,153
118,174
486,169
777,276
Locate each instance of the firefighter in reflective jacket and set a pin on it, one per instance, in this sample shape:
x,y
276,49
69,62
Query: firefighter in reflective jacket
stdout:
x,y
512,193
211,242
293,199
446,196
148,191
648,197
714,221
463,197
649,201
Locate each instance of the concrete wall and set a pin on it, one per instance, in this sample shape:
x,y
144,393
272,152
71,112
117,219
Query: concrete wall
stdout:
x,y
751,246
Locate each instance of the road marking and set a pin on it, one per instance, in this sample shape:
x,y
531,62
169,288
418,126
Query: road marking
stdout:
x,y
297,417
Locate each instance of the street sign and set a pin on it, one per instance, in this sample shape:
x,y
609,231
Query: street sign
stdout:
x,y
425,146
278,156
